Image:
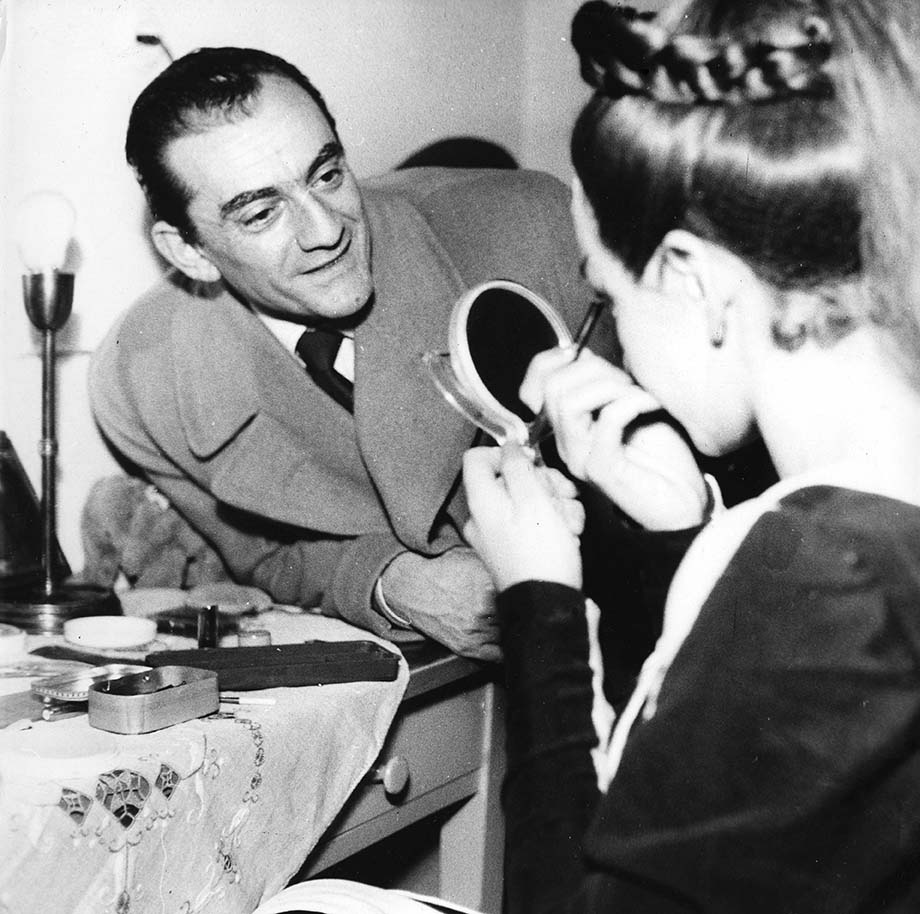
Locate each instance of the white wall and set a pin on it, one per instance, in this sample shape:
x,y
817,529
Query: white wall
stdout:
x,y
554,92
396,73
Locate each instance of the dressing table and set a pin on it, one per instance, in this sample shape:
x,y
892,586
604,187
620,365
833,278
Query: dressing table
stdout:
x,y
216,814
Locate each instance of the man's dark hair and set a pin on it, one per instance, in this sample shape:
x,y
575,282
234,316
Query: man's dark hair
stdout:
x,y
187,97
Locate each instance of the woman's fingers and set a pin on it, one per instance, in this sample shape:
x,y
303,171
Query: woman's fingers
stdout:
x,y
592,439
608,444
557,484
573,513
544,495
520,529
573,412
623,411
481,480
583,386
542,365
521,477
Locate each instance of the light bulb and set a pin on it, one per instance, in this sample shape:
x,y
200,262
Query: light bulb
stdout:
x,y
44,228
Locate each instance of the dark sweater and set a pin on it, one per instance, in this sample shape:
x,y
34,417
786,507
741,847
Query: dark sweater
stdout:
x,y
781,770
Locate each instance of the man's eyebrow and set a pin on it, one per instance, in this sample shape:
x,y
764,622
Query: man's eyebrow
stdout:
x,y
245,198
329,151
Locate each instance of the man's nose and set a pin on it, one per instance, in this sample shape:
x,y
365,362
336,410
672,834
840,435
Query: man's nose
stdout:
x,y
316,225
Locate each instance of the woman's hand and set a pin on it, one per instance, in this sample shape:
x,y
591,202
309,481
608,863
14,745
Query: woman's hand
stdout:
x,y
524,520
647,469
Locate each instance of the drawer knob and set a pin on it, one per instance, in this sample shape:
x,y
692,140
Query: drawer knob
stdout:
x,y
393,774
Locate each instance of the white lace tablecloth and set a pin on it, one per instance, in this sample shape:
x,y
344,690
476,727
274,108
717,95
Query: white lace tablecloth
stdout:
x,y
213,815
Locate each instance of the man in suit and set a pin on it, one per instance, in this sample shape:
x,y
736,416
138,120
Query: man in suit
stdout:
x,y
341,493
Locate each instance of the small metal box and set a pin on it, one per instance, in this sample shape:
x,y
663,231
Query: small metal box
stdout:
x,y
153,699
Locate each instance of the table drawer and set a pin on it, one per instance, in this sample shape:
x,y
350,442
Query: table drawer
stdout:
x,y
441,744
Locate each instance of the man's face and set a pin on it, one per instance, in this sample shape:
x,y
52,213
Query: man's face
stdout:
x,y
276,209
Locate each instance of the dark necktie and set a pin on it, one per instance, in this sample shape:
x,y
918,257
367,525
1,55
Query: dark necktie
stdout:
x,y
318,349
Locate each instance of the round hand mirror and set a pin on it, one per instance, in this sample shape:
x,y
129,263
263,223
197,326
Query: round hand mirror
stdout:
x,y
496,328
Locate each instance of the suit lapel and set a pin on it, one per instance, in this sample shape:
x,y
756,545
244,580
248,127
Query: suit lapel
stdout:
x,y
271,442
410,437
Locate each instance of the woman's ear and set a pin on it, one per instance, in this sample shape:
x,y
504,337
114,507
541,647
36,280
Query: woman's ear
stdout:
x,y
181,254
700,273
681,266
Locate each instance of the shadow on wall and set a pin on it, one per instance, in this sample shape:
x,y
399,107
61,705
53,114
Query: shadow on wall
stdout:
x,y
461,152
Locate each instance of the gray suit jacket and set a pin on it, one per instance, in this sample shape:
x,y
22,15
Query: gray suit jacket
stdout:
x,y
299,497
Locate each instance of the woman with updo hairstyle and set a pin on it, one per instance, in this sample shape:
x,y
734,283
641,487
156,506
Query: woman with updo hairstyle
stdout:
x,y
746,199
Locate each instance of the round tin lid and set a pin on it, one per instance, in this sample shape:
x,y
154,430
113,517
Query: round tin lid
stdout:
x,y
75,686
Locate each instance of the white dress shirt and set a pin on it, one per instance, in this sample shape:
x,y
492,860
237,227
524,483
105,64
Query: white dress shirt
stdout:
x,y
288,334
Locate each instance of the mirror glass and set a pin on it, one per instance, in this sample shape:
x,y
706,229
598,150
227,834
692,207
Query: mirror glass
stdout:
x,y
496,328
504,331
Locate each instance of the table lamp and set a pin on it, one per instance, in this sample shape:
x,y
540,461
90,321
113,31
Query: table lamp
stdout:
x,y
45,230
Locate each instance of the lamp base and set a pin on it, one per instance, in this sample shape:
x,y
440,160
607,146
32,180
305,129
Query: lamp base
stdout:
x,y
40,613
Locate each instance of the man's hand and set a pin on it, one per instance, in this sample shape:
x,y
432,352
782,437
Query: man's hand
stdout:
x,y
448,597
645,467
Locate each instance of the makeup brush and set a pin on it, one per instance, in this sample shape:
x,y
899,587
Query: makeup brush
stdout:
x,y
540,428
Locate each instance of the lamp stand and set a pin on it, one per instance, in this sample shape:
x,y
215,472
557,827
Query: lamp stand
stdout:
x,y
43,608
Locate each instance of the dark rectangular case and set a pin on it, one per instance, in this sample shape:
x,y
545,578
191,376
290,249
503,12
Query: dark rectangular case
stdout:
x,y
273,665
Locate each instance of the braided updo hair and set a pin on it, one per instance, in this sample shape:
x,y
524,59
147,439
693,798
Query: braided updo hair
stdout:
x,y
722,117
